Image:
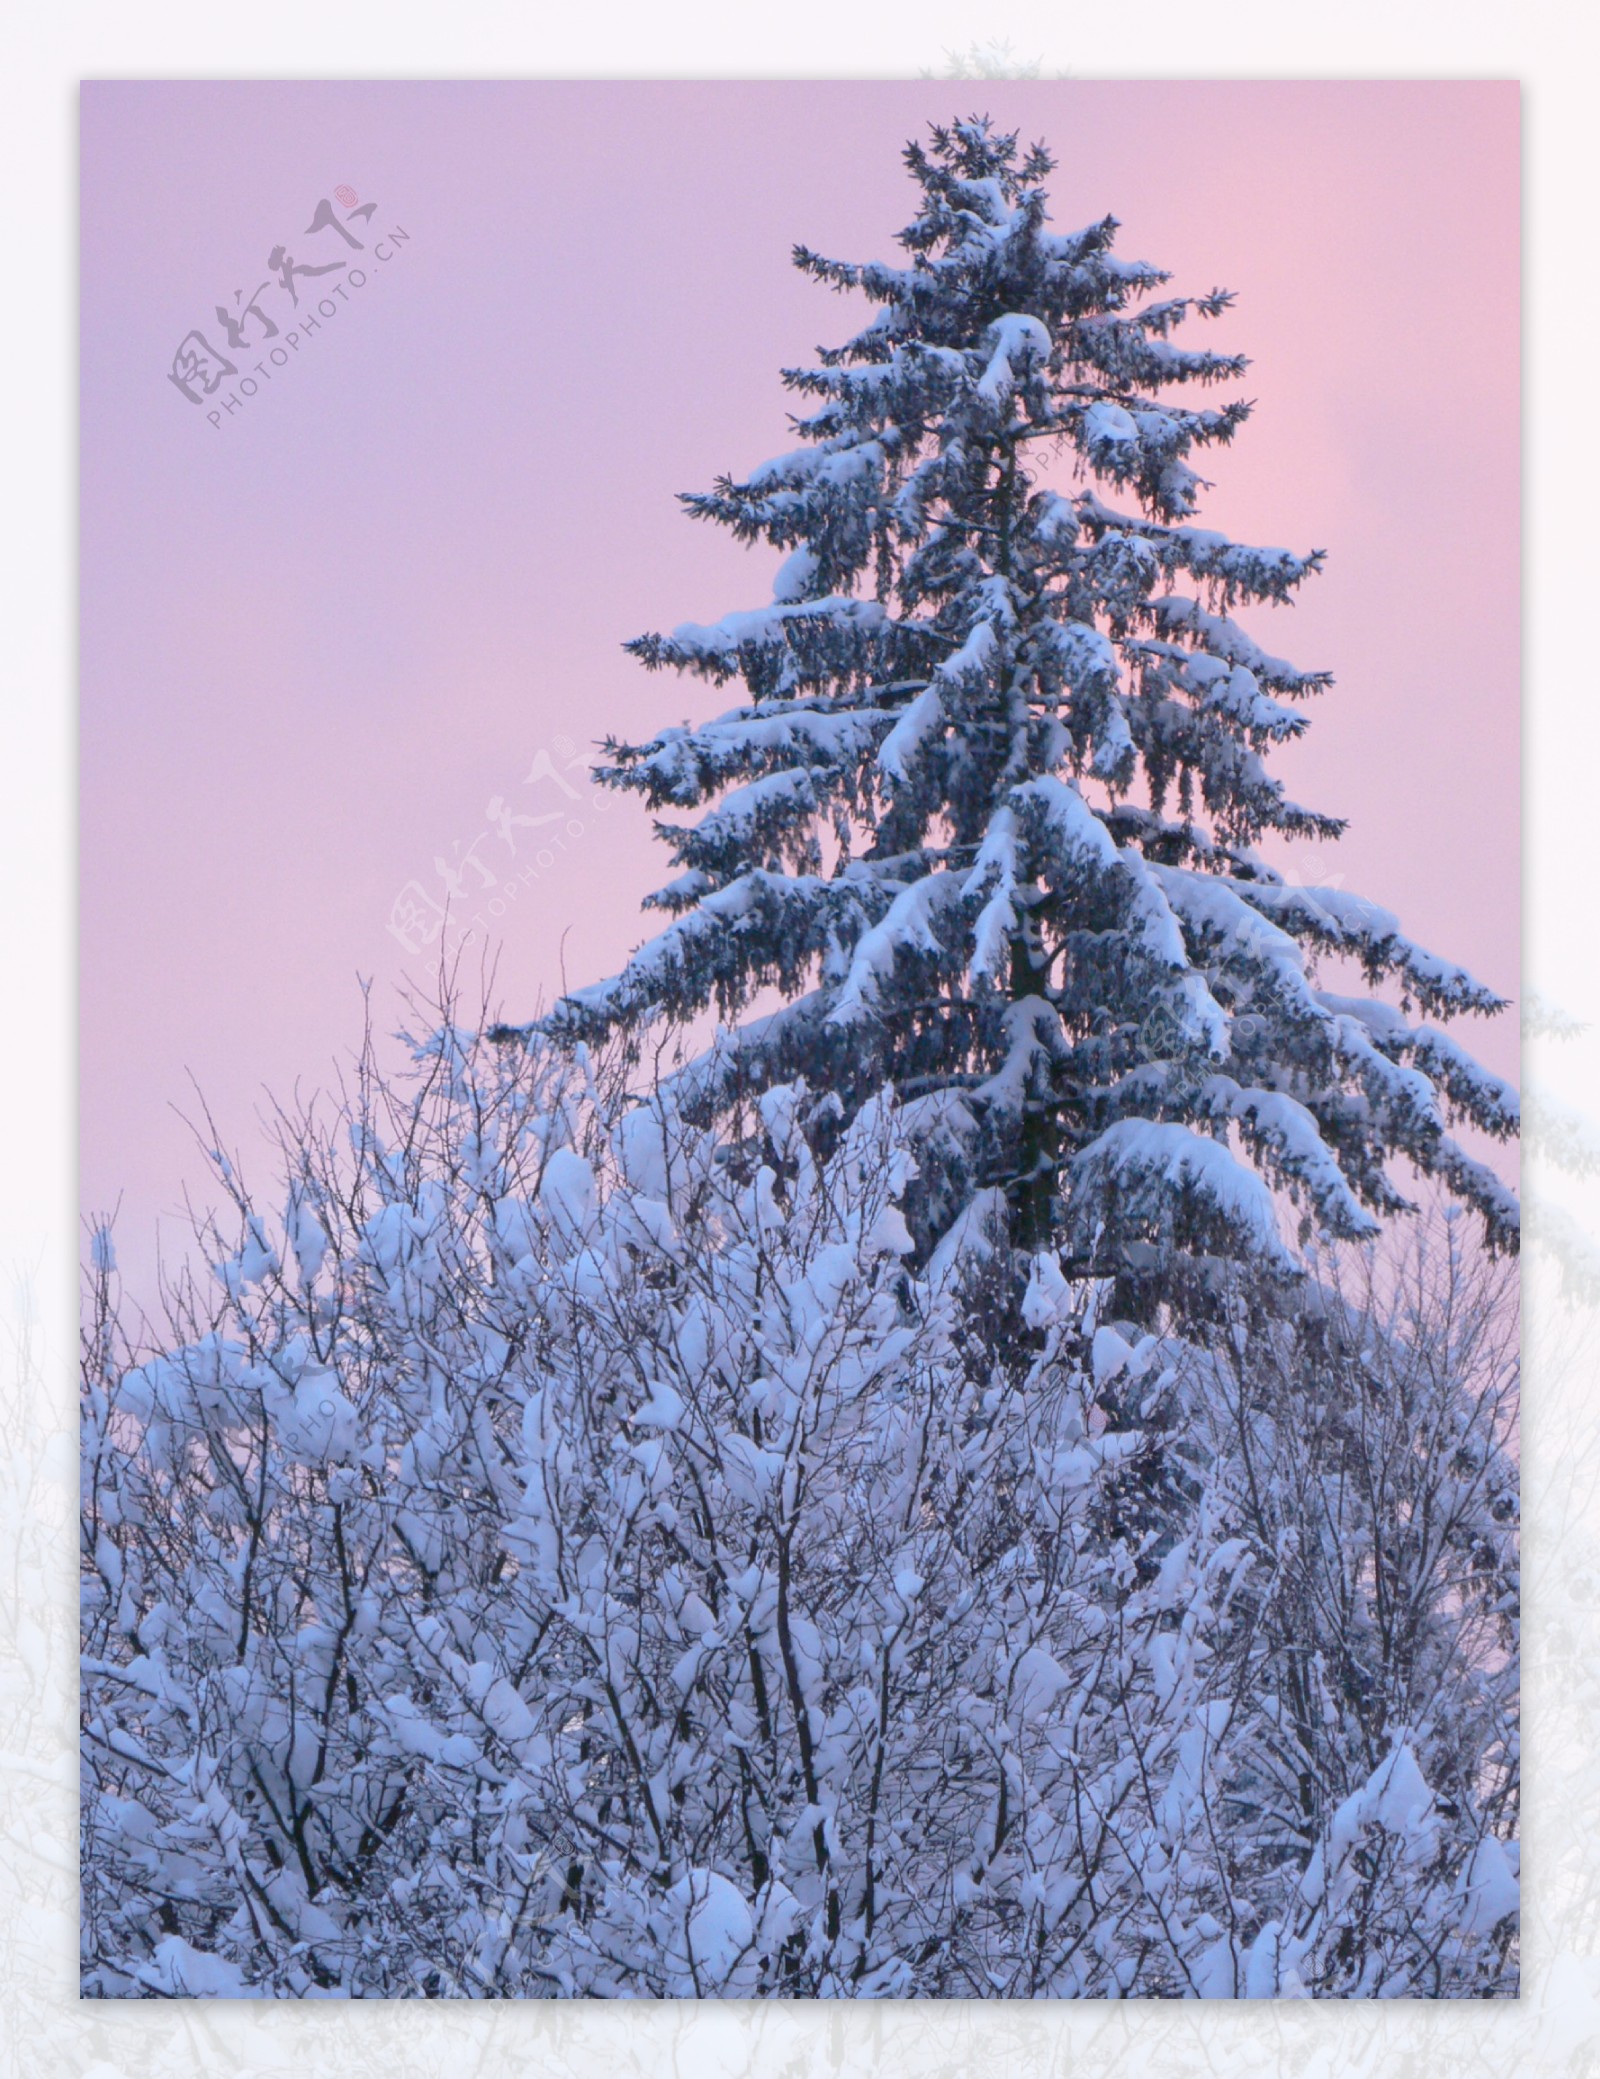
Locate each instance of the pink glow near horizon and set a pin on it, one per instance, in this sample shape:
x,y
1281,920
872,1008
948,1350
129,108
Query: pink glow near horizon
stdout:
x,y
317,642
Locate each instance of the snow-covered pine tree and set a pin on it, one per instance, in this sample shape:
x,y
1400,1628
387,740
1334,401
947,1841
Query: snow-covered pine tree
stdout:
x,y
987,815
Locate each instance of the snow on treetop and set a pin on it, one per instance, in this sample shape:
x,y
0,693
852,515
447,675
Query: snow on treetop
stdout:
x,y
991,813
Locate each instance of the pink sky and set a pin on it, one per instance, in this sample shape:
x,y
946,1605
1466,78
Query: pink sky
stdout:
x,y
317,642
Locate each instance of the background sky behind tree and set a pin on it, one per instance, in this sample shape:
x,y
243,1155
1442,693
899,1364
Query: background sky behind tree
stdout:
x,y
320,641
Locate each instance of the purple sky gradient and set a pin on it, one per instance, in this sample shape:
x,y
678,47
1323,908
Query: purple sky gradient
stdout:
x,y
318,641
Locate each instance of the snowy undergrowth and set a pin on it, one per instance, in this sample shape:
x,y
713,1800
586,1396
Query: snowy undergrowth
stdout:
x,y
558,1554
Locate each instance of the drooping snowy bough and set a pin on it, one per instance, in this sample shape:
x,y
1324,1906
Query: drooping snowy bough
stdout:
x,y
988,813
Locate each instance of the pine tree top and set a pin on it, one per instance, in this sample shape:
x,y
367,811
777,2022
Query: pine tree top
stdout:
x,y
987,814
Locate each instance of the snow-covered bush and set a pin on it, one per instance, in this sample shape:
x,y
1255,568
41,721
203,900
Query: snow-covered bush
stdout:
x,y
1367,1450
562,1551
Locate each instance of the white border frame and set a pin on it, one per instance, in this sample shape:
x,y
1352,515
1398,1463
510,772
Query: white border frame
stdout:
x,y
1551,48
